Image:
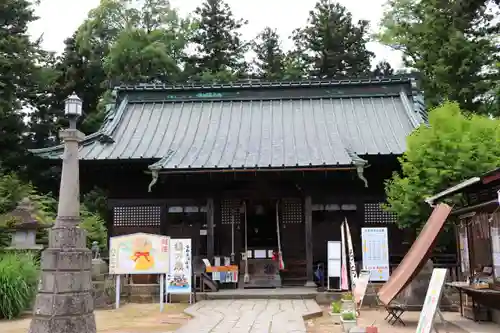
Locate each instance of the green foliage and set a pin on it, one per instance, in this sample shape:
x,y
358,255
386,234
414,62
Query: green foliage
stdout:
x,y
95,227
13,190
348,316
150,47
96,201
453,148
17,62
347,296
334,45
336,307
19,274
453,44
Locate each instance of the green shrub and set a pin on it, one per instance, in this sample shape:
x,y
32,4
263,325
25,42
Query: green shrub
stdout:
x,y
347,296
348,316
336,307
19,273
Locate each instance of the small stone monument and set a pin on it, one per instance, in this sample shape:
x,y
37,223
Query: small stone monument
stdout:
x,y
99,273
23,224
99,266
414,294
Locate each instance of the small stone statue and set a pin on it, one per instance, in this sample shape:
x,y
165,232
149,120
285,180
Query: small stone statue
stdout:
x,y
95,250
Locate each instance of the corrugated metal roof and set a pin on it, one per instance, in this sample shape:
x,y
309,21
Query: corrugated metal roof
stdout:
x,y
258,133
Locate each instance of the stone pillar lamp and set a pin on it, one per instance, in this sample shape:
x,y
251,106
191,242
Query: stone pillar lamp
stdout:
x,y
22,223
64,302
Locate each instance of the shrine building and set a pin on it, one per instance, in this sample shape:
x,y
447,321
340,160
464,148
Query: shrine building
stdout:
x,y
204,161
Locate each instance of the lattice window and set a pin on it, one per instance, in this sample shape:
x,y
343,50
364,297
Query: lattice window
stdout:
x,y
292,211
374,213
137,216
230,209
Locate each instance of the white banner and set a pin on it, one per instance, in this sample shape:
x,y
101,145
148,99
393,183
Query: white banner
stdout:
x,y
464,251
352,263
179,278
344,284
376,253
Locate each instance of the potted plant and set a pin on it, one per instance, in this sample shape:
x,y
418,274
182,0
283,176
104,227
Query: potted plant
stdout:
x,y
347,302
348,321
335,312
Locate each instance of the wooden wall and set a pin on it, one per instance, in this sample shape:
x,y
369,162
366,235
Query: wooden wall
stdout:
x,y
128,183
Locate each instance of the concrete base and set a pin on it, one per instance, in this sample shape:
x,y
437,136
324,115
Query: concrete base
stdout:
x,y
310,284
64,303
144,293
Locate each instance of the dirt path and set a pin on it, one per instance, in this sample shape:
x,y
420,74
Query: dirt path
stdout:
x,y
131,318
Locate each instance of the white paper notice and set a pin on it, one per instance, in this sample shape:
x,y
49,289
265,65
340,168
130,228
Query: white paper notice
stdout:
x,y
376,253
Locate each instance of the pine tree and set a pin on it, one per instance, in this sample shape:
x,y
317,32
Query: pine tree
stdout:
x,y
17,65
269,57
335,45
219,45
452,44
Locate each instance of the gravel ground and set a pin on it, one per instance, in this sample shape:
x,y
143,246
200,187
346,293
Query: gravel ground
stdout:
x,y
367,317
131,318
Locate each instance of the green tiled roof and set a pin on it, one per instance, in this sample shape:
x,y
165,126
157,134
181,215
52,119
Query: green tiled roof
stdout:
x,y
264,125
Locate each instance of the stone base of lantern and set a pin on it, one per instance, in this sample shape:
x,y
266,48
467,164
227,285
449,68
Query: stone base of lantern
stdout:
x,y
64,303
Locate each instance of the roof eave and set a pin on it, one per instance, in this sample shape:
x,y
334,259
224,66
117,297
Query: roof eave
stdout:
x,y
338,167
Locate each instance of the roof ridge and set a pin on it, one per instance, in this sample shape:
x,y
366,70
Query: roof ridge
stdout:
x,y
264,84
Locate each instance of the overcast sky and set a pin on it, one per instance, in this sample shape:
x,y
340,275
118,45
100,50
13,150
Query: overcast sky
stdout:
x,y
60,18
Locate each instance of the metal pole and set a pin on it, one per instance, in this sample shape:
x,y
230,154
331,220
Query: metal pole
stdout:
x,y
232,235
246,277
278,233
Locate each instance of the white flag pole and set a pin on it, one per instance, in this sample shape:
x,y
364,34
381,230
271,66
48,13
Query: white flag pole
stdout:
x,y
352,263
343,276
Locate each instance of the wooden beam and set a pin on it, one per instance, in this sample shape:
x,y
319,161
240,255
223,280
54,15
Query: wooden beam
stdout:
x,y
210,228
309,241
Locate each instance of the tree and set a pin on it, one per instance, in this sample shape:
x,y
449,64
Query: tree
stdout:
x,y
151,45
220,49
453,44
334,45
17,63
382,69
269,56
454,147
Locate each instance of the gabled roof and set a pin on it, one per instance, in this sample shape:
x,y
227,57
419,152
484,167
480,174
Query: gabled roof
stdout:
x,y
255,125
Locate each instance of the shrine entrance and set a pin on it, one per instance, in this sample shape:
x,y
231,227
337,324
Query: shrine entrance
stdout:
x,y
261,224
260,239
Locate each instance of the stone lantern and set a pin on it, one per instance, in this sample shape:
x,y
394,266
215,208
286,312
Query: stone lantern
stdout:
x,y
23,225
64,303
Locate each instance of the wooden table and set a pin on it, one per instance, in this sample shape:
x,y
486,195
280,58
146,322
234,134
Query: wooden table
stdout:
x,y
489,298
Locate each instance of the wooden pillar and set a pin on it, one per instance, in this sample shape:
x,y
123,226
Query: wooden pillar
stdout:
x,y
309,241
210,229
